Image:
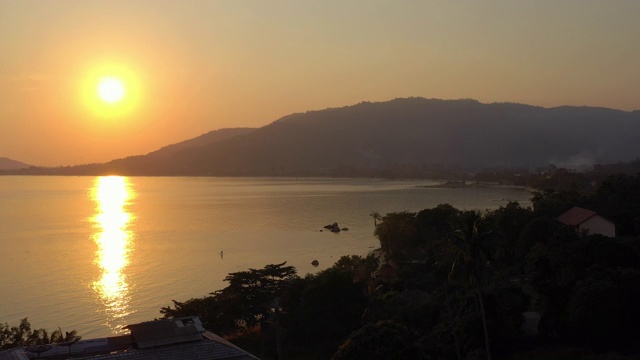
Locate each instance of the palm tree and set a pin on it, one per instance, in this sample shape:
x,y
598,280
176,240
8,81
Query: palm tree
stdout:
x,y
69,338
454,331
376,216
471,264
38,349
39,342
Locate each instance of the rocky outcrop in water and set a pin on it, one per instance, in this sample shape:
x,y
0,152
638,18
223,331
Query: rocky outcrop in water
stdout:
x,y
333,227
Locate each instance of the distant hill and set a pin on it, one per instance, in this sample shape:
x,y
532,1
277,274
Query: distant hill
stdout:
x,y
401,137
204,139
9,164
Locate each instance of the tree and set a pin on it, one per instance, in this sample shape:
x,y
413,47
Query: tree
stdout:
x,y
255,290
38,349
472,264
508,221
618,199
216,314
36,341
596,311
437,223
383,340
360,267
376,217
551,203
398,234
435,227
321,310
250,296
588,286
539,229
68,339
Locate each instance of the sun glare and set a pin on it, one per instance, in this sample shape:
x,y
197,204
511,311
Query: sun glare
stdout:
x,y
111,90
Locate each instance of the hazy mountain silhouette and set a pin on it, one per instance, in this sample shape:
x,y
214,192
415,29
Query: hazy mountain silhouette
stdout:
x,y
166,161
204,139
9,164
411,133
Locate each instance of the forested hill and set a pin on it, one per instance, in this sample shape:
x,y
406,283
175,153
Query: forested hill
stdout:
x,y
417,134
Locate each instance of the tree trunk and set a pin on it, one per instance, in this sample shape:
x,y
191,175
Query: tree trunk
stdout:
x,y
484,324
453,327
262,329
278,341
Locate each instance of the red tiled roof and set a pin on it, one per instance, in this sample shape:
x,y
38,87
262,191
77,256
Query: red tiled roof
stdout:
x,y
576,216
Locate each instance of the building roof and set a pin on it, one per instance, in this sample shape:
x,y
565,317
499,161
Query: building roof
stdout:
x,y
170,339
209,348
166,332
14,354
576,216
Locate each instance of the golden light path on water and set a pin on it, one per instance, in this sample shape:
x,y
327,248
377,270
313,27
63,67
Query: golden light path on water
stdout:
x,y
112,195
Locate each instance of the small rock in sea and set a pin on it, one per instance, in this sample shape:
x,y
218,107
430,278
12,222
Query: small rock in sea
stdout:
x,y
328,227
345,229
335,229
315,263
321,230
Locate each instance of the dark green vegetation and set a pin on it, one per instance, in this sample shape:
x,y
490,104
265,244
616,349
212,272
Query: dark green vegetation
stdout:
x,y
553,177
35,340
401,138
453,284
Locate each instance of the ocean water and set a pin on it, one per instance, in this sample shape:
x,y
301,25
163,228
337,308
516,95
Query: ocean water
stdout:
x,y
97,253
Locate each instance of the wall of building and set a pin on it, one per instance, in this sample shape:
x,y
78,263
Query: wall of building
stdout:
x,y
598,225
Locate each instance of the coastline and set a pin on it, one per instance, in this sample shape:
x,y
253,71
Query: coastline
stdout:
x,y
453,184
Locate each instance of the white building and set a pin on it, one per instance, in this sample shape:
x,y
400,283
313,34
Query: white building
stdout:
x,y
588,222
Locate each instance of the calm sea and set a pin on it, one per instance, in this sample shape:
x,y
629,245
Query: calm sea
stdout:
x,y
96,253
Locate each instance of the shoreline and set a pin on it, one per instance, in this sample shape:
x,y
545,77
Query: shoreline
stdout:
x,y
449,184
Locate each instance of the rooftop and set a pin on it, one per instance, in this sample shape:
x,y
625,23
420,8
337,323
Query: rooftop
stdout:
x,y
173,339
576,216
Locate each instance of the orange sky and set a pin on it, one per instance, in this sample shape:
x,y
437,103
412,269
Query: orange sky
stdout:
x,y
195,66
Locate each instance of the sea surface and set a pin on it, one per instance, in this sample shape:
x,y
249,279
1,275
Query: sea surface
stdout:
x,y
97,253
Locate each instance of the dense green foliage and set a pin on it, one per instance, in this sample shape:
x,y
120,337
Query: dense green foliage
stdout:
x,y
454,284
383,340
251,296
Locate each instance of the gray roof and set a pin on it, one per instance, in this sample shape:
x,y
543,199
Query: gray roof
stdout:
x,y
166,332
170,339
210,348
14,354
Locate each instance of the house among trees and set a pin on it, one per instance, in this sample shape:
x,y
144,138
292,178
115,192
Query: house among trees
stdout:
x,y
587,222
179,338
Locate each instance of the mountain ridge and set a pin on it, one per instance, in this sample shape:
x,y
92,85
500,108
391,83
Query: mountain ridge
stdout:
x,y
373,138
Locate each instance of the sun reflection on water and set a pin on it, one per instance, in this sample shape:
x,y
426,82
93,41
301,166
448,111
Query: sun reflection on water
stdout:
x,y
115,243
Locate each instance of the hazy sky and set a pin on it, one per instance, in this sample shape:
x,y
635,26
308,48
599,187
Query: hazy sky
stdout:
x,y
189,67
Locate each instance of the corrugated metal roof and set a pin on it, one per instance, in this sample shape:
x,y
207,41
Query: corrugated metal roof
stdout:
x,y
13,354
175,339
207,349
166,332
576,216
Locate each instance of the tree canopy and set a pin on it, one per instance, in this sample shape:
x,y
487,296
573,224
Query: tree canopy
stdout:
x,y
455,284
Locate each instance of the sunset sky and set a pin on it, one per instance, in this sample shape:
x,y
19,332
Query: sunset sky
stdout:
x,y
178,69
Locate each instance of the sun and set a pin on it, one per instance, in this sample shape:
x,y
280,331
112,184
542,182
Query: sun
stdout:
x,y
111,90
